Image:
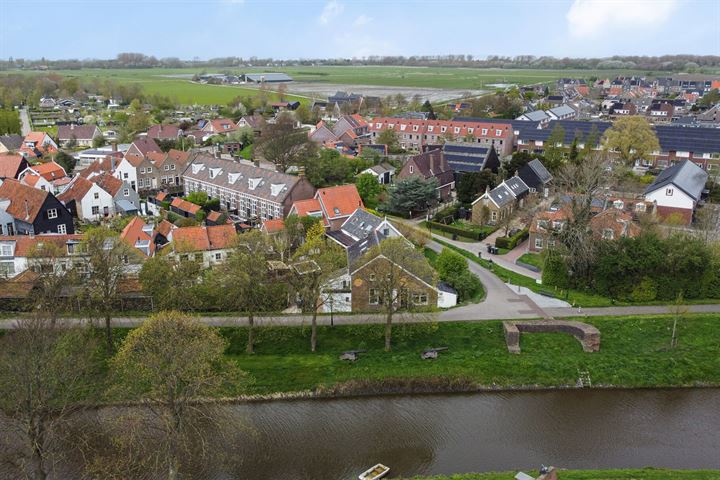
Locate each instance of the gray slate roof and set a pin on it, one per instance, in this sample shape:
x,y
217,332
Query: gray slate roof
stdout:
x,y
361,223
11,142
562,110
685,175
540,170
536,116
517,186
255,181
501,195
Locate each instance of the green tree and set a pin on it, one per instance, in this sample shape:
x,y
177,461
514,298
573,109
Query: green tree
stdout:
x,y
283,145
171,283
411,194
171,363
554,148
633,138
390,138
138,120
98,141
369,189
392,277
472,184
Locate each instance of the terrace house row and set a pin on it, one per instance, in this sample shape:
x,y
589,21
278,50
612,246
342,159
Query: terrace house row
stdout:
x,y
253,193
415,133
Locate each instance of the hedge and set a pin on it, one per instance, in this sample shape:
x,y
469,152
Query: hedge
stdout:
x,y
511,242
461,232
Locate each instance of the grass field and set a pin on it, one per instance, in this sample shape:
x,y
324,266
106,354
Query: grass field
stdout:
x,y
534,259
634,353
156,81
637,474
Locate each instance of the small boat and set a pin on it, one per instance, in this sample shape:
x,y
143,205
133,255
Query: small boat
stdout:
x,y
373,473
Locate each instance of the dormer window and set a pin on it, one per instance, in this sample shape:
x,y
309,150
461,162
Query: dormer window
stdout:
x,y
253,183
415,128
215,172
484,131
457,129
618,204
412,170
196,168
442,129
498,133
233,177
669,192
276,188
6,250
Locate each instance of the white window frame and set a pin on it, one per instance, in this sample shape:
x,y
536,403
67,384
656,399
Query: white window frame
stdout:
x,y
52,213
62,229
538,243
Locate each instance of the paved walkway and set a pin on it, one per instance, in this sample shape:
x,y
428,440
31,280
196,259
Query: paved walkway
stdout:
x,y
25,122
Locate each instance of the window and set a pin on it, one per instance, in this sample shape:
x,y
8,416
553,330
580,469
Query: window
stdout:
x,y
125,175
166,167
218,256
126,192
374,296
538,243
172,167
420,299
493,215
96,195
96,210
149,169
411,169
7,269
608,234
669,192
142,170
551,242
6,250
62,229
52,213
371,277
484,131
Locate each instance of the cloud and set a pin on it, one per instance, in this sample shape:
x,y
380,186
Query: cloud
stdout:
x,y
590,18
362,20
332,9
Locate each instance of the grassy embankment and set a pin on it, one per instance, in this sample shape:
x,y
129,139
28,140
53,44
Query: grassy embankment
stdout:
x,y
635,474
634,353
534,259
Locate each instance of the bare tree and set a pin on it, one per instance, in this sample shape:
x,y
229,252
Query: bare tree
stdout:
x,y
47,372
391,269
678,311
107,260
283,145
56,278
170,364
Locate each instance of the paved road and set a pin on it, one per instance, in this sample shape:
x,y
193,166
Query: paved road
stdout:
x,y
25,121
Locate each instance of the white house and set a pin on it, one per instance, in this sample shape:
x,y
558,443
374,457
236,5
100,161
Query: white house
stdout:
x,y
87,200
447,296
126,170
677,190
337,293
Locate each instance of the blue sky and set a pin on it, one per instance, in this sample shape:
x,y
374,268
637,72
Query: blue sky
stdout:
x,y
355,28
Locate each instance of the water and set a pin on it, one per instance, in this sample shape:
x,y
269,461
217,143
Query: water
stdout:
x,y
441,434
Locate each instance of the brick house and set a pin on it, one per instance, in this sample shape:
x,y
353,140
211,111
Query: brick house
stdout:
x,y
499,203
333,204
429,165
82,134
208,245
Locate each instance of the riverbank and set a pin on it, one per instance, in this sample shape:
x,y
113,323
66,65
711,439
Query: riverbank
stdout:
x,y
638,474
634,353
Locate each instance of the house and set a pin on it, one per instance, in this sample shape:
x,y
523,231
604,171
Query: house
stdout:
x,y
660,112
677,191
154,169
612,224
170,167
322,134
164,233
271,227
384,173
140,235
562,112
90,155
362,231
164,132
220,126
254,122
622,109
543,227
16,252
208,245
333,204
128,168
470,157
184,208
431,165
34,211
87,200
535,116
126,200
37,144
250,192
498,204
83,135
48,176
536,177
10,143
215,218
143,146
12,165
266,77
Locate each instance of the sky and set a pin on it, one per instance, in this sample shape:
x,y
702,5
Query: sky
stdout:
x,y
287,29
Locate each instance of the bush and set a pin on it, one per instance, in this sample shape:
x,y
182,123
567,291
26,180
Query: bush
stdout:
x,y
449,264
450,211
555,273
512,242
458,231
645,291
466,284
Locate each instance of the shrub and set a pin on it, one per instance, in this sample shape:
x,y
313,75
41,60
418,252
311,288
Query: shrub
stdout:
x,y
645,291
458,231
512,242
555,273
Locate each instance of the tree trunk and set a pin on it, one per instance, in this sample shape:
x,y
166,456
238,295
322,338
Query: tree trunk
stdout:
x,y
251,334
108,334
388,331
37,439
313,332
673,339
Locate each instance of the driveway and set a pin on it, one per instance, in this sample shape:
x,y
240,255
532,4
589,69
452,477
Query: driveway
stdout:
x,y
25,122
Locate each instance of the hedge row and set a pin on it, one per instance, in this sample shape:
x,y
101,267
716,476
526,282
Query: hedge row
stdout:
x,y
458,231
511,242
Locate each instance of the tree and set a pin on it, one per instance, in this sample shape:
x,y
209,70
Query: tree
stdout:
x,y
171,283
314,264
471,184
170,363
518,161
107,258
393,275
678,311
427,107
55,278
453,269
390,138
98,141
329,168
283,145
244,277
47,373
411,194
138,120
633,138
369,189
554,148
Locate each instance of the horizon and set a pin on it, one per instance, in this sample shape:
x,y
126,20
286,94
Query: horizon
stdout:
x,y
349,29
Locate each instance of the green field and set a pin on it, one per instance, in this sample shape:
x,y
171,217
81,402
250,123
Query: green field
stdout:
x,y
156,80
636,474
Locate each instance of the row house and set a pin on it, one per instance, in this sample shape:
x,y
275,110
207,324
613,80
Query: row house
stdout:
x,y
17,252
99,196
250,192
332,204
207,245
30,211
415,133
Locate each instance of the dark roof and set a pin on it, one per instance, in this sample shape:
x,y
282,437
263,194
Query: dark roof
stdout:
x,y
501,195
517,186
540,171
696,140
465,157
340,237
361,223
573,129
11,142
444,287
81,132
685,175
433,164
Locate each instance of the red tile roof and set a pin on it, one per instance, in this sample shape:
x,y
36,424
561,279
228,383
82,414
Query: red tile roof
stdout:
x,y
9,164
107,182
185,206
163,131
25,201
165,228
155,156
220,125
161,196
24,244
214,216
50,171
273,226
76,191
145,145
193,239
306,207
339,201
133,232
435,127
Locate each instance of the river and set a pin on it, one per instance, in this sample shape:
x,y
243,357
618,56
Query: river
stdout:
x,y
441,434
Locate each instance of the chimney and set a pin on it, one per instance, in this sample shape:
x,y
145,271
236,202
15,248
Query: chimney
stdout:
x,y
27,210
114,147
301,171
112,163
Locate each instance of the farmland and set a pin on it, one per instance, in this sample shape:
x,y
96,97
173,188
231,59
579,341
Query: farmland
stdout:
x,y
310,79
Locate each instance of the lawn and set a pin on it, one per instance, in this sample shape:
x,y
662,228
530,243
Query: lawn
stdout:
x,y
534,259
637,474
634,353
